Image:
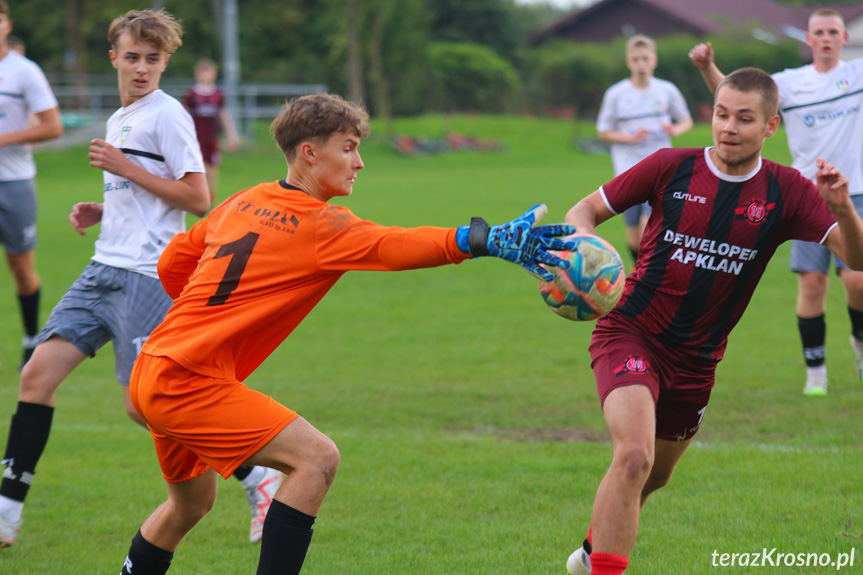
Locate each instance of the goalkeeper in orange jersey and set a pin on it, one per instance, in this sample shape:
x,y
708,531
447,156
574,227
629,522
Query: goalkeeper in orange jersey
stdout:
x,y
242,279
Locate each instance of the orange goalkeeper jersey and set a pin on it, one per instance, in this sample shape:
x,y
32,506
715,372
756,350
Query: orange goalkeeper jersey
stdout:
x,y
244,277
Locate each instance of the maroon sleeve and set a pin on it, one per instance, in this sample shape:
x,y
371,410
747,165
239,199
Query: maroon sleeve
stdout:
x,y
645,180
811,216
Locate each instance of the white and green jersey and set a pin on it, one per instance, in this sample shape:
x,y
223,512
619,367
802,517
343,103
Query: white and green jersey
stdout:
x,y
627,109
157,134
823,118
23,91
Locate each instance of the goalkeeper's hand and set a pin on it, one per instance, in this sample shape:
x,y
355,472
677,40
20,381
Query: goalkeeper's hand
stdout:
x,y
519,241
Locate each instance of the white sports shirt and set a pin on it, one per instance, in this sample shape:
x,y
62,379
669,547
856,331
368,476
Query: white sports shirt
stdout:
x,y
23,91
626,109
157,134
823,118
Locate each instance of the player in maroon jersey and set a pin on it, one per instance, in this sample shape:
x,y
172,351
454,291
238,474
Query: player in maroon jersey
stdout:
x,y
206,104
719,214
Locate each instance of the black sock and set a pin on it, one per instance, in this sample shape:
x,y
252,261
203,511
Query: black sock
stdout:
x,y
588,548
242,472
634,253
813,332
28,436
30,312
856,323
144,558
285,541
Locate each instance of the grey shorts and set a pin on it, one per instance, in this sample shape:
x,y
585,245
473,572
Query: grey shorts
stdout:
x,y
814,257
109,304
18,216
632,216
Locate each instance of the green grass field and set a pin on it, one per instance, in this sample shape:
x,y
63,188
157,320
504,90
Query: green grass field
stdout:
x,y
466,414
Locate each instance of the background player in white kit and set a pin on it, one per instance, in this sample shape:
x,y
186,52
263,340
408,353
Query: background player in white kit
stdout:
x,y
821,107
25,94
153,175
638,116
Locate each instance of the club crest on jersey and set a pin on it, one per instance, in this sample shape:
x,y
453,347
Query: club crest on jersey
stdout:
x,y
124,133
632,364
843,85
755,212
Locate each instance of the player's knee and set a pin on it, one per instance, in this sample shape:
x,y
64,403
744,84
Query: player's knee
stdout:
x,y
191,512
656,481
35,387
813,285
635,461
327,461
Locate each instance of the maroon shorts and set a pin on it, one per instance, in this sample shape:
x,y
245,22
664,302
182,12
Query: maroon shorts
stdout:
x,y
210,152
680,384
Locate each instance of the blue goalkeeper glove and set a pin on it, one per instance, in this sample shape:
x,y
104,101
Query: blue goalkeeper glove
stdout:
x,y
519,241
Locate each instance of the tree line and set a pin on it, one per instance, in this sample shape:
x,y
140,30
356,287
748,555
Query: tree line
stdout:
x,y
400,57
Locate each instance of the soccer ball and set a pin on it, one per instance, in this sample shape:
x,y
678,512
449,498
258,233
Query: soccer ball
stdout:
x,y
591,286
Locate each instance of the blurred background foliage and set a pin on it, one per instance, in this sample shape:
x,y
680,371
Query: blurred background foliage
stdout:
x,y
400,57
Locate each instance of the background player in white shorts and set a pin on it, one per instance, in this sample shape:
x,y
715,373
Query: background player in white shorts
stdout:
x,y
25,94
638,116
822,108
153,175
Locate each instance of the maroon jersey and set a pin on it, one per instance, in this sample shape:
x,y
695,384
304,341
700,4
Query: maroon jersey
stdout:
x,y
708,241
204,109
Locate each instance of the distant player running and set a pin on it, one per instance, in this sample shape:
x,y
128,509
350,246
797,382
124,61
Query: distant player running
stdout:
x,y
243,279
206,103
28,113
638,116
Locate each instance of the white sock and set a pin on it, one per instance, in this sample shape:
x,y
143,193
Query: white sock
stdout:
x,y
820,370
10,509
254,477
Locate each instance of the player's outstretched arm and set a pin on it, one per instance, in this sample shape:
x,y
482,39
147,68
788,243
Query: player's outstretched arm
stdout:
x,y
588,213
518,241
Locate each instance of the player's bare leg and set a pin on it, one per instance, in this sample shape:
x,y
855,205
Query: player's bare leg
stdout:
x,y
811,295
631,418
188,502
310,460
666,455
853,282
31,424
51,363
27,286
153,546
130,408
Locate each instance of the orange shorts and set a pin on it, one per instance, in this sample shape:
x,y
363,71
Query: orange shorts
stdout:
x,y
200,422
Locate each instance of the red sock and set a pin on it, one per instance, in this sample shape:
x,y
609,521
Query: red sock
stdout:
x,y
607,564
590,534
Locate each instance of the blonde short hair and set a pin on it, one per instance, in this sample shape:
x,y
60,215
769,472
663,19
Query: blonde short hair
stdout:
x,y
640,41
155,27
